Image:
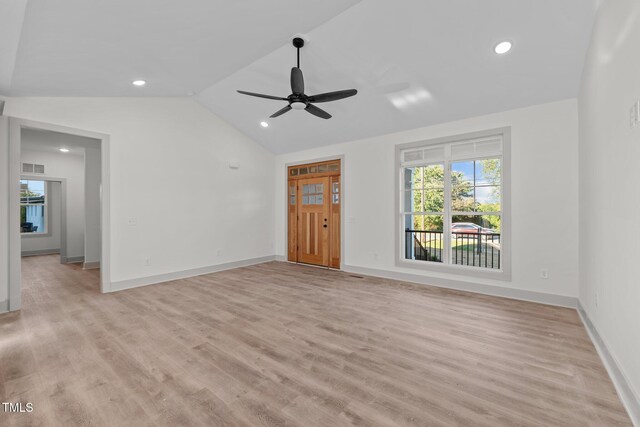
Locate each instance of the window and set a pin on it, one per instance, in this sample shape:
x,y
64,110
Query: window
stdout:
x,y
316,168
451,204
33,206
313,194
335,193
292,193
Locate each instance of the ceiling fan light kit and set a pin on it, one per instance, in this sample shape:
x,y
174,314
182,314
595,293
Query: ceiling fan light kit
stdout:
x,y
298,100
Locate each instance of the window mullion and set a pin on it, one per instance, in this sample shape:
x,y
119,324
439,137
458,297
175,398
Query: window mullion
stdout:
x,y
446,233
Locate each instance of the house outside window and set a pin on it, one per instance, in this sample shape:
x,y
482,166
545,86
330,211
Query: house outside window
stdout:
x,y
454,204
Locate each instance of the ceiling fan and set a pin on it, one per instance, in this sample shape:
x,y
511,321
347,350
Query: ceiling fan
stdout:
x,y
298,100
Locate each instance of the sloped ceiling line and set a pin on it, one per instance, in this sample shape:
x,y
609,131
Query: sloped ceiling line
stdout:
x,y
13,15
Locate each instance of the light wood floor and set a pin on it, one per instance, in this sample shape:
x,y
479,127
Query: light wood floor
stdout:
x,y
281,344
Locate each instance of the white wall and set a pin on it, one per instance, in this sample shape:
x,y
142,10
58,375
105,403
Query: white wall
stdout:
x,y
50,240
71,167
609,201
169,171
544,195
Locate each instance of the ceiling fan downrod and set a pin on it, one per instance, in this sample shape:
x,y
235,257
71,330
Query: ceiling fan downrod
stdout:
x,y
298,43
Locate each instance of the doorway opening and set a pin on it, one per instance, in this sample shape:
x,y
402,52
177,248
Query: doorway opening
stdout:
x,y
41,215
60,196
58,202
314,213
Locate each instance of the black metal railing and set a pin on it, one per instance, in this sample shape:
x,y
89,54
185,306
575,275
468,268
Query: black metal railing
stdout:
x,y
472,249
424,245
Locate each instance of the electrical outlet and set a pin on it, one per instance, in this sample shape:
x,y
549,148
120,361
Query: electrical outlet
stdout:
x,y
544,273
219,252
375,256
147,261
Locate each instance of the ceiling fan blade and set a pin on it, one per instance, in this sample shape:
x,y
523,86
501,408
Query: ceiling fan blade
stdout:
x,y
297,81
281,112
332,96
317,111
259,95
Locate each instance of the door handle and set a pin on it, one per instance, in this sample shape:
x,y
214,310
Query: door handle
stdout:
x,y
324,226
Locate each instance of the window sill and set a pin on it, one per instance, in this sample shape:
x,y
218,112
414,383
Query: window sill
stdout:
x,y
30,235
457,270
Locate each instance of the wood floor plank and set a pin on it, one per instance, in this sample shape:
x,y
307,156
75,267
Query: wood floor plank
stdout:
x,y
283,344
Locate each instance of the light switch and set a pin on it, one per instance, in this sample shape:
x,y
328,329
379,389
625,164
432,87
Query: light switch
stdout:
x,y
634,114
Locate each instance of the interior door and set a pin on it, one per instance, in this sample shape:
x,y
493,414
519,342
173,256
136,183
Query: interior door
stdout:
x,y
313,221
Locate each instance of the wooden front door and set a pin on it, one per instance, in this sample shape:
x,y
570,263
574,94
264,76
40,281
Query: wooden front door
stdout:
x,y
313,204
313,221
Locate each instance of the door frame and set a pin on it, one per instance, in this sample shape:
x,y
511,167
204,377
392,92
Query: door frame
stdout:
x,y
343,227
15,136
63,211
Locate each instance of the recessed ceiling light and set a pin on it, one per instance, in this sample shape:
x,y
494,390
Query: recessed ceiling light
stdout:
x,y
64,150
264,124
139,82
503,47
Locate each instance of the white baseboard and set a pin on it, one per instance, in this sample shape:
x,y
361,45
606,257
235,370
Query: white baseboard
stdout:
x,y
629,397
498,291
4,306
281,258
184,274
72,259
40,252
91,265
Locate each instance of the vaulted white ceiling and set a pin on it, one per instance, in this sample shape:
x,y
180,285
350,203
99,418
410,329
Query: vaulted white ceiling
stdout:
x,y
97,47
414,62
